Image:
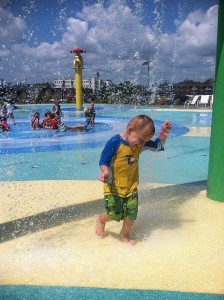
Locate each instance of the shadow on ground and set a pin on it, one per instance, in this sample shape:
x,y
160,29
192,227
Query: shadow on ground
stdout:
x,y
158,209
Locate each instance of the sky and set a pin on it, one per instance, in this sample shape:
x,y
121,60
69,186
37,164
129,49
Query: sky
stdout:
x,y
176,37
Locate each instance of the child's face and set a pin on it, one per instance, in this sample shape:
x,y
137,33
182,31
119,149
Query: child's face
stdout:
x,y
137,138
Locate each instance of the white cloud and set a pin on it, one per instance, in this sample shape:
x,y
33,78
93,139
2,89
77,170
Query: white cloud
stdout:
x,y
117,43
12,28
195,45
197,32
118,31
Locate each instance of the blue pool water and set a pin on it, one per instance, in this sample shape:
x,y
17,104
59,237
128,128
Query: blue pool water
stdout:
x,y
28,154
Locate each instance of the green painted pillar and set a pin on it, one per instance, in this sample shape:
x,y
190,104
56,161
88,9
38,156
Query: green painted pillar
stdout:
x,y
215,189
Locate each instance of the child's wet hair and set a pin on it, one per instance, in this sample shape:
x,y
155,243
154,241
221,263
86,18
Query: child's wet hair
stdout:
x,y
47,113
141,121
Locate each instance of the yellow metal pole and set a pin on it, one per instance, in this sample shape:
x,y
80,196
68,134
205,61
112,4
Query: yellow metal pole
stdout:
x,y
78,66
78,88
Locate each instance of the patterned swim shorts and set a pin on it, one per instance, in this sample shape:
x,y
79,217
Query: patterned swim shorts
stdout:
x,y
118,208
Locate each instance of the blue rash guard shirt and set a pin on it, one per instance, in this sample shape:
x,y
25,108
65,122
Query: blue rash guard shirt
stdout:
x,y
123,162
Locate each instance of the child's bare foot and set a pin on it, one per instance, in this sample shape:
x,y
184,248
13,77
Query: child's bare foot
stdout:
x,y
127,239
99,228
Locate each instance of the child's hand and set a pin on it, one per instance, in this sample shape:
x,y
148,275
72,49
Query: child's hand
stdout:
x,y
104,176
167,126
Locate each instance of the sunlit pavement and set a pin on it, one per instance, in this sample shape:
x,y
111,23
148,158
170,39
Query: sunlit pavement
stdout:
x,y
49,249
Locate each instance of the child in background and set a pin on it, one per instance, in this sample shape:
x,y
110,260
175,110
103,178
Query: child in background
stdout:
x,y
57,108
49,121
92,109
10,108
88,116
4,126
35,121
46,120
54,122
3,110
119,172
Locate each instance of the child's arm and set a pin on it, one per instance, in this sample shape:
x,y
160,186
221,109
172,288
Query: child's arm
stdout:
x,y
157,145
107,155
32,122
105,175
166,127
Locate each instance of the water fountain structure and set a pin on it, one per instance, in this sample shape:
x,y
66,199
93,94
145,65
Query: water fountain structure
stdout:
x,y
78,66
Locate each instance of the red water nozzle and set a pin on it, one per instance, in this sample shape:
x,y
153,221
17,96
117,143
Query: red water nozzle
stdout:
x,y
78,51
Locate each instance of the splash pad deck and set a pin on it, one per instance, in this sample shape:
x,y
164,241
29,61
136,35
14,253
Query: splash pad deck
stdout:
x,y
54,248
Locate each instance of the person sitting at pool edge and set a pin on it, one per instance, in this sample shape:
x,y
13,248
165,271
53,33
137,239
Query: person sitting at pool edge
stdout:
x,y
119,172
81,127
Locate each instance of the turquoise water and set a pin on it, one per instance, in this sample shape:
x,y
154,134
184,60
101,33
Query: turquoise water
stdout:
x,y
48,155
84,293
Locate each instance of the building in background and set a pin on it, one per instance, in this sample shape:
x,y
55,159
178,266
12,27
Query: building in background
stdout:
x,y
95,84
190,87
65,83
